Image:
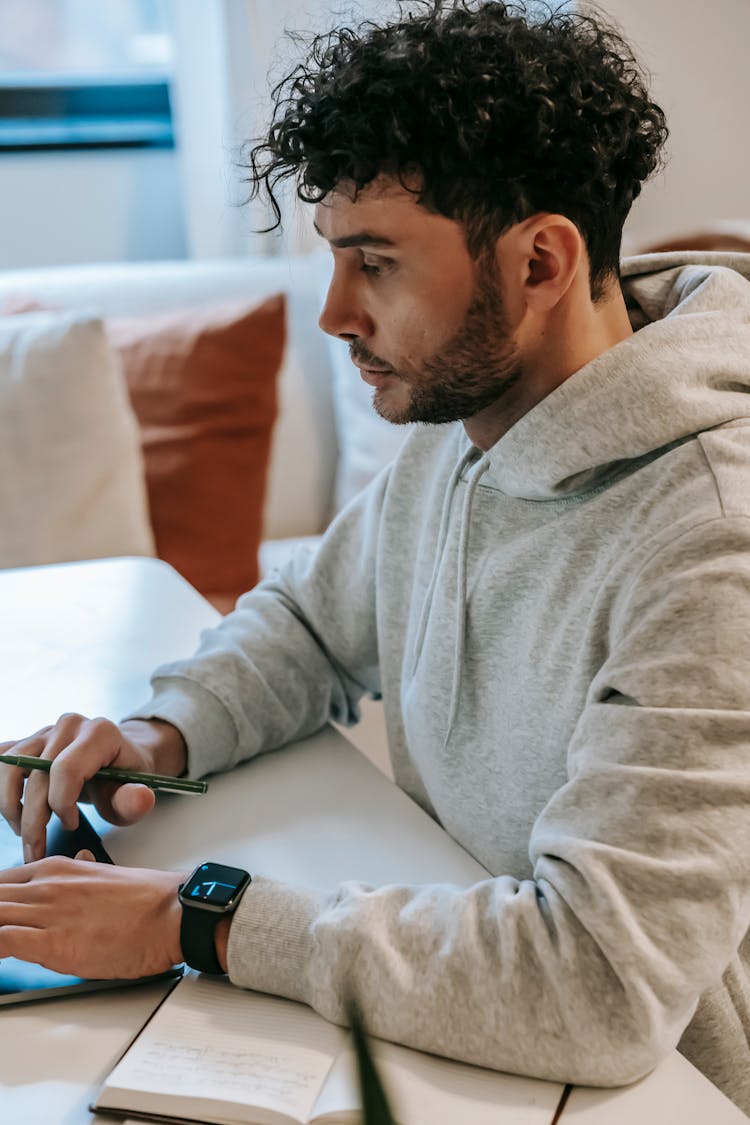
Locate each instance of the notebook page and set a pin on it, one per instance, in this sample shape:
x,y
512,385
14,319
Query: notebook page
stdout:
x,y
426,1090
222,1046
673,1094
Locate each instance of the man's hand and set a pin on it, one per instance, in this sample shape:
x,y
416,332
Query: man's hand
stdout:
x,y
79,747
91,919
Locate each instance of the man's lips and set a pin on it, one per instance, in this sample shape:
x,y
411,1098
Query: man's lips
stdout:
x,y
374,376
368,369
371,367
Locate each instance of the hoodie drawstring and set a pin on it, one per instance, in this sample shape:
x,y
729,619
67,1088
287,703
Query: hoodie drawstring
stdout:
x,y
461,593
450,490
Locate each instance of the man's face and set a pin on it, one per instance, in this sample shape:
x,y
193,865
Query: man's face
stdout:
x,y
424,322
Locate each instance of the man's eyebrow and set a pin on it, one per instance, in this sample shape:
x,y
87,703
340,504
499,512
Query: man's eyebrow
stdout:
x,y
360,238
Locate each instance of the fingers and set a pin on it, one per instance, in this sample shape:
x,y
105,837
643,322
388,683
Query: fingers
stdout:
x,y
98,743
17,875
25,914
12,778
11,791
54,866
37,801
77,747
86,855
95,743
128,804
22,942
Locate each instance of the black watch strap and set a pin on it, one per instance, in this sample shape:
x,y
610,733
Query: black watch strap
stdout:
x,y
197,938
211,893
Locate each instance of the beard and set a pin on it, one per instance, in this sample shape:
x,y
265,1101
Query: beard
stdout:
x,y
474,369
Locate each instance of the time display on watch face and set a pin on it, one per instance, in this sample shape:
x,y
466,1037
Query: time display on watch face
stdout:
x,y
214,884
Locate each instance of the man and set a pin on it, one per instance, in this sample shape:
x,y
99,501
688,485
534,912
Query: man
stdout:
x,y
551,593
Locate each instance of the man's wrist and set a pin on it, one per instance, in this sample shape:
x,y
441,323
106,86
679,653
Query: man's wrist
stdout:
x,y
172,915
161,742
209,898
221,940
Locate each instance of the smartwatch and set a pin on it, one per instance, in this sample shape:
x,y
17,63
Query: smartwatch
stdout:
x,y
212,891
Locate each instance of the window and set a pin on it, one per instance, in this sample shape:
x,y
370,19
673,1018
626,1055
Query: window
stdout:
x,y
84,74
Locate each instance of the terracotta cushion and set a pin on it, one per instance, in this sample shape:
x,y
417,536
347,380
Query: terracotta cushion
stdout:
x,y
202,382
703,240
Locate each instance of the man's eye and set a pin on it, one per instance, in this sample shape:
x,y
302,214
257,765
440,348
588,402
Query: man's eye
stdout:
x,y
370,267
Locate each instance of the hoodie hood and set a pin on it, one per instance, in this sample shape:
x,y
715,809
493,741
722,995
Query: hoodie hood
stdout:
x,y
686,369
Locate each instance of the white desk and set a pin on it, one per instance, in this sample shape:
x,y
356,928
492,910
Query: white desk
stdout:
x,y
84,637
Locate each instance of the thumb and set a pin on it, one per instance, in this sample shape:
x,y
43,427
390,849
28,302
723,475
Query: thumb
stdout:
x,y
86,855
131,802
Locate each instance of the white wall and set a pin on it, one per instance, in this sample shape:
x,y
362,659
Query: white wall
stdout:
x,y
89,207
107,206
698,53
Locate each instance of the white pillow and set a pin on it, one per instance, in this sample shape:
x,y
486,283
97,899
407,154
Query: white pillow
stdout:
x,y
366,441
71,474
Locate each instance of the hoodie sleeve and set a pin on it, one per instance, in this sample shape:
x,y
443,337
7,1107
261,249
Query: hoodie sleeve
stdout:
x,y
590,971
300,649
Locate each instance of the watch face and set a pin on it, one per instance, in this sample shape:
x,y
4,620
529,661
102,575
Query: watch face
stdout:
x,y
214,885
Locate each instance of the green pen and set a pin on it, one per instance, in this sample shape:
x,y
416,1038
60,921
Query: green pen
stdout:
x,y
107,773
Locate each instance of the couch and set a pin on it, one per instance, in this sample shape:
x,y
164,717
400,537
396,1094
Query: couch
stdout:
x,y
327,442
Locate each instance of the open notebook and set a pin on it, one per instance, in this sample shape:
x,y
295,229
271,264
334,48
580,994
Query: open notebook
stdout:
x,y
215,1053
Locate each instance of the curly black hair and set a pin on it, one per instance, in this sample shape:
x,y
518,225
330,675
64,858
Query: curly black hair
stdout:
x,y
502,113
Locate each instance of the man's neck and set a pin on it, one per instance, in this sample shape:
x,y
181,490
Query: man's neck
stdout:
x,y
571,337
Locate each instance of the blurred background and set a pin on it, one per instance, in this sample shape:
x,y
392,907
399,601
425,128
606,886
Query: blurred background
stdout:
x,y
120,122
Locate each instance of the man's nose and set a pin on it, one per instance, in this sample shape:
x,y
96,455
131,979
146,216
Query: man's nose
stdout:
x,y
343,314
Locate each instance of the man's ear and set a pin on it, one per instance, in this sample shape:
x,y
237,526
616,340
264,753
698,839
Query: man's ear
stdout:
x,y
540,258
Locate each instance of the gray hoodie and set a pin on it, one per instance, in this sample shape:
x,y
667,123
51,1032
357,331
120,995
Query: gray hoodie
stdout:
x,y
560,630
